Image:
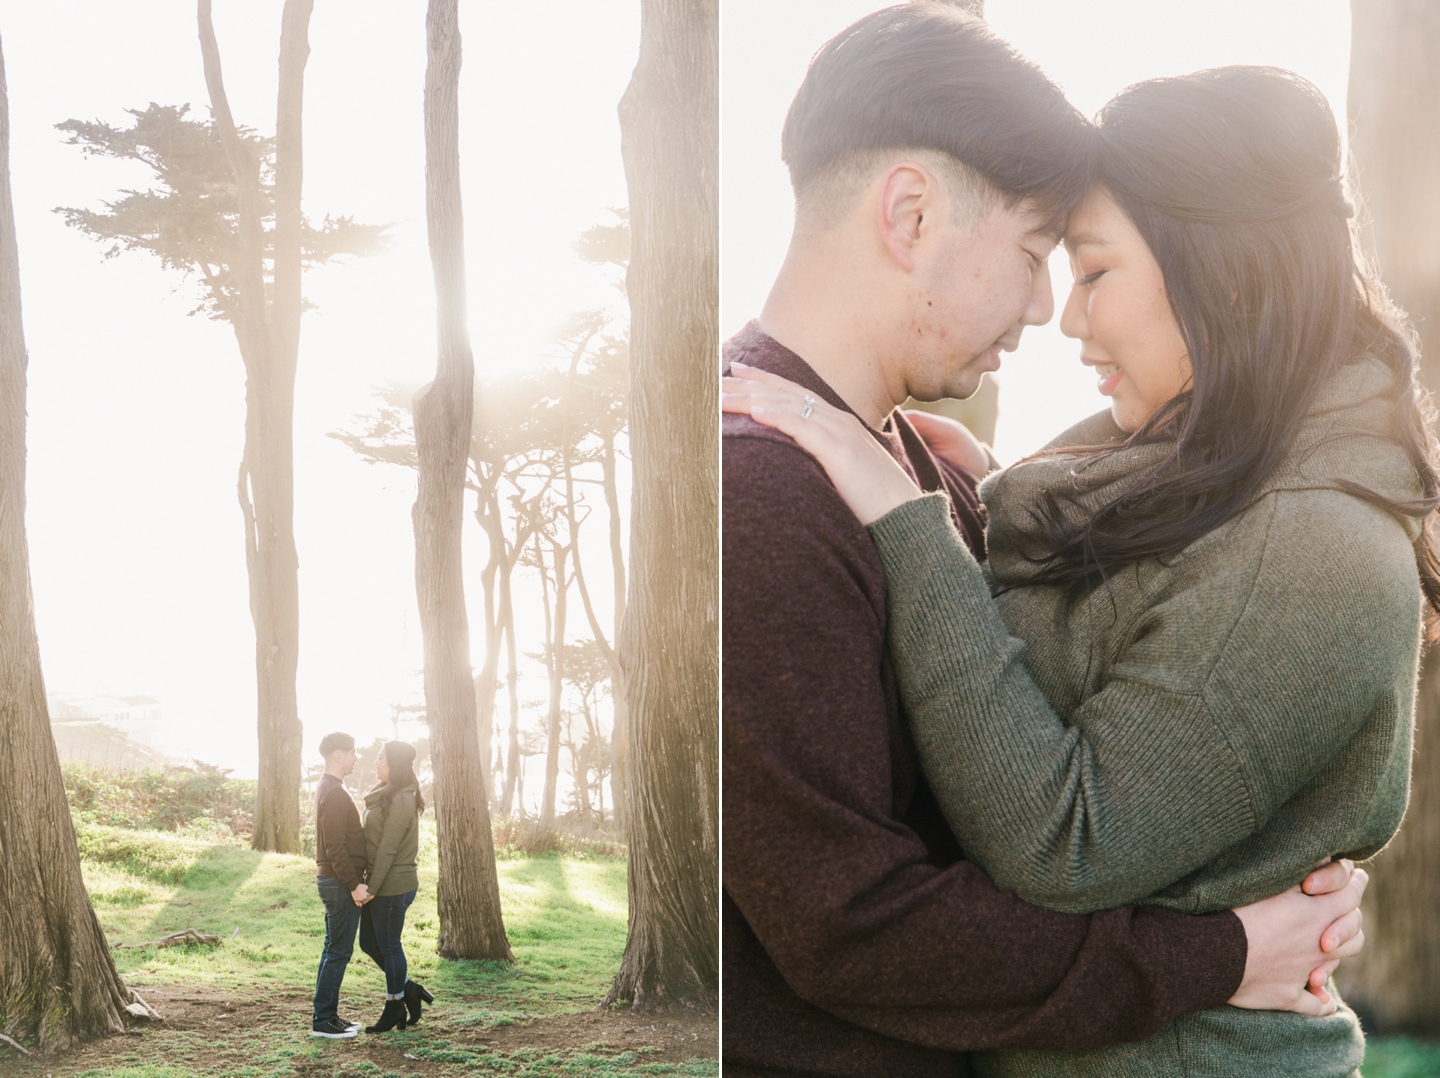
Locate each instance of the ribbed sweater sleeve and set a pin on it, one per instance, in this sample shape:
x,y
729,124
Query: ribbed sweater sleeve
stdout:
x,y
336,817
1147,780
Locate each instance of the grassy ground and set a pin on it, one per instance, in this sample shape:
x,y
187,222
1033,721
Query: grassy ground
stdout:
x,y
243,1008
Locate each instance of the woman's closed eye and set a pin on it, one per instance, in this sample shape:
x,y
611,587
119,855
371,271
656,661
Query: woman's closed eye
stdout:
x,y
1089,278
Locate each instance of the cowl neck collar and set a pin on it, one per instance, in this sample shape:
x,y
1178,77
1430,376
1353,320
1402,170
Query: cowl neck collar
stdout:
x,y
1347,436
384,792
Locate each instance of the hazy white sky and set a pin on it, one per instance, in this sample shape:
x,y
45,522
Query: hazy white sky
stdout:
x,y
136,411
1091,48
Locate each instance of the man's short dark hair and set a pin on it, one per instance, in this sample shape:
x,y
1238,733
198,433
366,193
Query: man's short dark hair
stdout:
x,y
336,741
928,76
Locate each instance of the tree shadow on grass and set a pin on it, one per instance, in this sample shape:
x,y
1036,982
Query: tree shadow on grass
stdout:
x,y
206,890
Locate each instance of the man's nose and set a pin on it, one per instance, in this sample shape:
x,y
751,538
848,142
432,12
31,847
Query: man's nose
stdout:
x,y
1042,297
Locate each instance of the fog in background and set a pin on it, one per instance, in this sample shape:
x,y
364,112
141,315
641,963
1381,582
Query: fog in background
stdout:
x,y
1091,49
136,412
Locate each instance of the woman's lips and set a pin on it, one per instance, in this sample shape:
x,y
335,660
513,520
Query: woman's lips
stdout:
x,y
1110,375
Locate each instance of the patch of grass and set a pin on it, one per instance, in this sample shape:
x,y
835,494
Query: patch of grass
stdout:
x,y
565,918
565,914
1401,1057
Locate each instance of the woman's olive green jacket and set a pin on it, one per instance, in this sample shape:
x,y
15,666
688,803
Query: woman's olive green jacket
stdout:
x,y
1199,731
392,841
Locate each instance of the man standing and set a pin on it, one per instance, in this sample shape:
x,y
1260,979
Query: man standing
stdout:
x,y
340,871
933,169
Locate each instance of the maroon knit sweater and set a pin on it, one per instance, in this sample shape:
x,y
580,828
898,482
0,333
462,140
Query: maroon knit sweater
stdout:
x,y
857,940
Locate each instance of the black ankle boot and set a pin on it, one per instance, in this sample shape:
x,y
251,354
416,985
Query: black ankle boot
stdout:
x,y
393,1017
414,994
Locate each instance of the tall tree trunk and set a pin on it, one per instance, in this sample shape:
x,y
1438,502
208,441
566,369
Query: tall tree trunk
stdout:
x,y
1394,111
57,981
484,717
512,687
488,680
269,342
469,892
560,556
612,658
669,123
620,725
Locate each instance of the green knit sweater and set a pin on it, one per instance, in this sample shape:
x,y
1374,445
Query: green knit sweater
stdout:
x,y
392,841
1197,733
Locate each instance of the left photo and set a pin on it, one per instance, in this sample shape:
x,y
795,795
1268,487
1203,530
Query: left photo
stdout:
x,y
359,559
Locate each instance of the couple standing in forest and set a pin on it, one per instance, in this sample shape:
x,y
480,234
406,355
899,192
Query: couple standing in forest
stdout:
x,y
367,876
1103,822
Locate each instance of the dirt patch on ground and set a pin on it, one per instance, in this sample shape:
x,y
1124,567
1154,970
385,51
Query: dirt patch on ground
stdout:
x,y
675,1038
216,1032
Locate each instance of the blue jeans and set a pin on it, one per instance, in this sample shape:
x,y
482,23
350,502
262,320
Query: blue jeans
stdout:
x,y
381,920
342,917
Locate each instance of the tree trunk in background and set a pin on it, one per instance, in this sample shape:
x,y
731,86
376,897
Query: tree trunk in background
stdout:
x,y
512,687
269,338
57,981
1394,112
669,122
469,893
484,717
487,510
560,555
620,722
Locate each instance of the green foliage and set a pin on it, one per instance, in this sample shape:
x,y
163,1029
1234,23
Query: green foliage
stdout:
x,y
189,219
200,797
1401,1057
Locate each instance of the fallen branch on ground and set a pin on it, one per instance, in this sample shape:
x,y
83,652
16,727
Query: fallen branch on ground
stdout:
x,y
16,1045
175,939
138,1008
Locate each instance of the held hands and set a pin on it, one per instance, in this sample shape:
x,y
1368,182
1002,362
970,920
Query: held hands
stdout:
x,y
869,479
361,895
1297,938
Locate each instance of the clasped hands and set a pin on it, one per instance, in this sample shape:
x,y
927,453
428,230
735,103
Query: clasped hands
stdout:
x,y
361,895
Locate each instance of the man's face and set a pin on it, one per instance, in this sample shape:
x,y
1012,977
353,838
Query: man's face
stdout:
x,y
976,286
342,761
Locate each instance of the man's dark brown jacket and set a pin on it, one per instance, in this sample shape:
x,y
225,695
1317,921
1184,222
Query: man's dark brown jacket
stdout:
x,y
339,838
858,942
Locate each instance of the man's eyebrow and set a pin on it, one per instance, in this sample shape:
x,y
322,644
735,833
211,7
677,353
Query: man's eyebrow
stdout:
x,y
1085,239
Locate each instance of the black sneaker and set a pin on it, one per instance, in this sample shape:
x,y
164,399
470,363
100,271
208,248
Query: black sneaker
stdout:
x,y
336,1029
347,1022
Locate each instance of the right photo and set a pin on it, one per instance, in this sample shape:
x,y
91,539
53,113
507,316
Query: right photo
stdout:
x,y
1079,489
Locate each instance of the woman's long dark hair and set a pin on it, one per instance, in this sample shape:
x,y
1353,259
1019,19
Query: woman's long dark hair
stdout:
x,y
400,755
1233,178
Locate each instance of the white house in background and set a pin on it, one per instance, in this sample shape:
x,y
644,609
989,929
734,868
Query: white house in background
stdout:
x,y
137,717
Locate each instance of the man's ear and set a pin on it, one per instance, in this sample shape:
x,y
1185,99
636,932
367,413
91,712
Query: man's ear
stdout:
x,y
908,196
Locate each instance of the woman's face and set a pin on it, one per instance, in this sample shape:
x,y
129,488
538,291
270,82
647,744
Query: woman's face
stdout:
x,y
1118,311
382,768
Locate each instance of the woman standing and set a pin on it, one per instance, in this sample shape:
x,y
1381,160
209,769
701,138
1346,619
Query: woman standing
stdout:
x,y
392,840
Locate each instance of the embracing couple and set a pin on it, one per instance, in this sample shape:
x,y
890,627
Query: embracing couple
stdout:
x,y
1060,770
